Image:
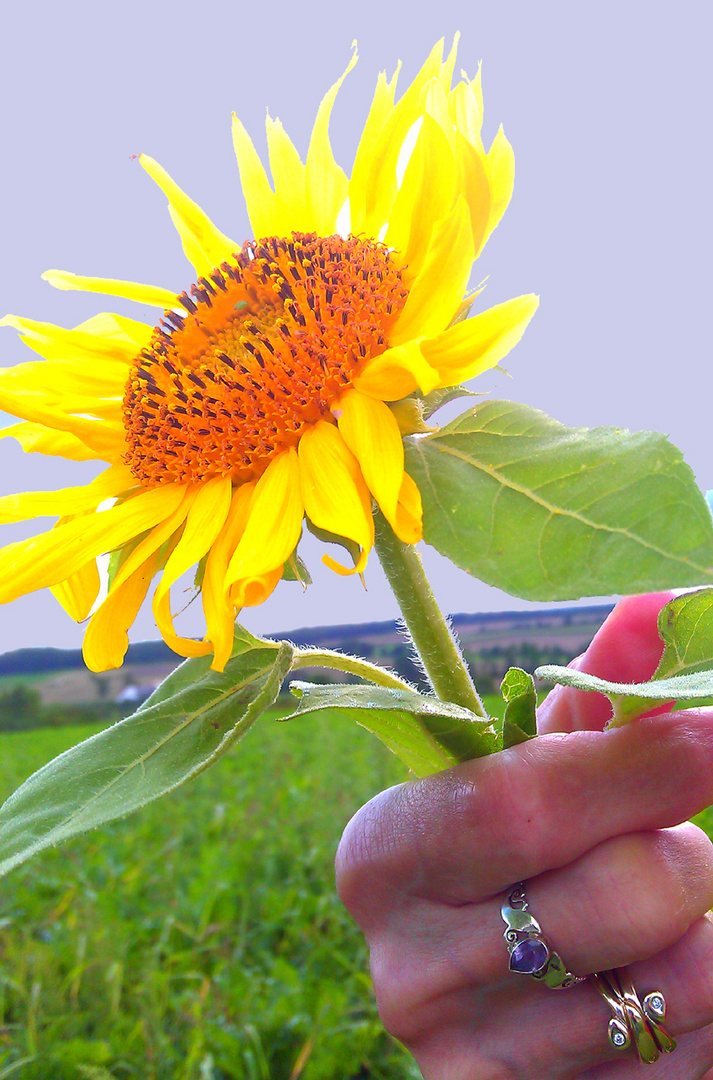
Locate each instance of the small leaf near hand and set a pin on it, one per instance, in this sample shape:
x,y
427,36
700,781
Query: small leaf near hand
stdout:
x,y
426,734
520,722
187,724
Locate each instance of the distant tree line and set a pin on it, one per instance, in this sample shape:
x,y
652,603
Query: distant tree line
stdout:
x,y
22,709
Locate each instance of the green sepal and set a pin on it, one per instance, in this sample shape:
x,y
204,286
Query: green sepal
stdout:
x,y
434,401
295,570
547,512
520,722
426,734
188,723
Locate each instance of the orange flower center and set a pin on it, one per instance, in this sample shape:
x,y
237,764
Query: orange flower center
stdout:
x,y
268,342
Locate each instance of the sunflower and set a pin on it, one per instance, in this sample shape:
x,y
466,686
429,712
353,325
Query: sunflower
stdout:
x,y
265,394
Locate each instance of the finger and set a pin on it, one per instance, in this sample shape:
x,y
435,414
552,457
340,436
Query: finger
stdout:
x,y
626,648
467,833
628,899
513,1029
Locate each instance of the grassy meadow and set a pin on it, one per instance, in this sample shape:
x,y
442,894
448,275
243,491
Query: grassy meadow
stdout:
x,y
200,939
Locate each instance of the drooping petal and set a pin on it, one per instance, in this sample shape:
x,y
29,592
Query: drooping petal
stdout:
x,y
333,490
439,287
164,620
78,592
218,607
397,373
479,343
204,521
409,512
114,481
39,439
128,290
326,185
274,525
371,432
106,639
53,556
204,244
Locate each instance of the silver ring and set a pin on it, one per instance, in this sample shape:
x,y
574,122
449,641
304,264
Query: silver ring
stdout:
x,y
530,951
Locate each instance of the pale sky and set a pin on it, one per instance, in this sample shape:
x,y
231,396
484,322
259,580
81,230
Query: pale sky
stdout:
x,y
607,106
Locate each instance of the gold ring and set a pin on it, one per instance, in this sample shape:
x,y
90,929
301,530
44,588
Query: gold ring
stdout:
x,y
633,1023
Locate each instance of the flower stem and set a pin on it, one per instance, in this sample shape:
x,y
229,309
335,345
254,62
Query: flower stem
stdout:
x,y
441,657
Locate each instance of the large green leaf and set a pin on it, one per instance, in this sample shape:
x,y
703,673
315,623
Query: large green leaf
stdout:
x,y
427,734
188,723
548,512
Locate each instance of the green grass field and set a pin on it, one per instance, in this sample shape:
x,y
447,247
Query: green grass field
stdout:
x,y
200,939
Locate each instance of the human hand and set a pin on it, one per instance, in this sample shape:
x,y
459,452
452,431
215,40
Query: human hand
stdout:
x,y
592,821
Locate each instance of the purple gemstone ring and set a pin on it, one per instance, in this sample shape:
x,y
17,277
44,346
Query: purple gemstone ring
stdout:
x,y
530,952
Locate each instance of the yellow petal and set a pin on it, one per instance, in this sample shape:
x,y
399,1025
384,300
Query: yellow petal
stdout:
x,y
106,639
252,591
373,186
158,539
501,174
205,519
89,341
466,111
53,556
426,196
381,107
106,438
326,185
481,342
397,373
79,591
39,439
438,290
334,494
274,525
260,200
371,432
56,380
475,185
183,646
204,244
114,481
288,176
129,290
218,608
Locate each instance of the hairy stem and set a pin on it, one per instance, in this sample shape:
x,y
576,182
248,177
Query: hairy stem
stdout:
x,y
352,664
442,659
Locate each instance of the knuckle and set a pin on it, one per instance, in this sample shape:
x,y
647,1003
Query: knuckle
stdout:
x,y
366,861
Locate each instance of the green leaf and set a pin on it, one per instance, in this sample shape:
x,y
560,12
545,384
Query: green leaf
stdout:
x,y
630,700
684,676
187,724
426,734
520,721
686,629
548,512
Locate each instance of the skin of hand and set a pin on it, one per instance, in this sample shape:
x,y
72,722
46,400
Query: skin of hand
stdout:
x,y
596,823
